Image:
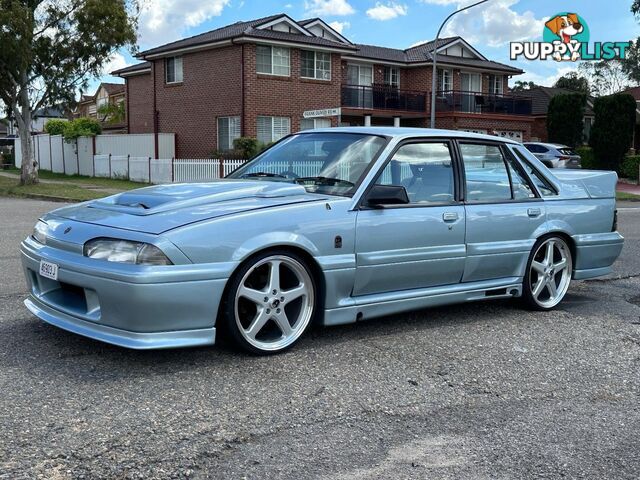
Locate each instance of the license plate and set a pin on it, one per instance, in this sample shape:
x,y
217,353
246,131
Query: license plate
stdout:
x,y
49,270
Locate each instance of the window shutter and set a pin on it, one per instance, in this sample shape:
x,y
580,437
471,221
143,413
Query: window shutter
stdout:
x,y
223,133
264,129
281,127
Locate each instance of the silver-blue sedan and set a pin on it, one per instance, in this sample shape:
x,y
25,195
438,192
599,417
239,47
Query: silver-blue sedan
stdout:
x,y
334,226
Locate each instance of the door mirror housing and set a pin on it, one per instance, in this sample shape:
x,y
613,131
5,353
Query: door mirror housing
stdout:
x,y
381,195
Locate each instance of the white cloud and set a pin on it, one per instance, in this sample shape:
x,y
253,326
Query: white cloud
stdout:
x,y
494,23
386,11
418,43
339,26
163,21
116,62
328,7
547,78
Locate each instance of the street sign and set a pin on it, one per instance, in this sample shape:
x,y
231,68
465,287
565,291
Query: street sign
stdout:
x,y
323,112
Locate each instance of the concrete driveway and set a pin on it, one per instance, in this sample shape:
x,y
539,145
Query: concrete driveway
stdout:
x,y
482,390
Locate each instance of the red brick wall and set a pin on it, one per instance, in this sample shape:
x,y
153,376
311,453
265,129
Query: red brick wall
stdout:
x,y
539,129
271,95
211,88
140,103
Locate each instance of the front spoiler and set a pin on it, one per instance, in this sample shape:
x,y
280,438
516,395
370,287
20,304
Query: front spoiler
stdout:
x,y
122,338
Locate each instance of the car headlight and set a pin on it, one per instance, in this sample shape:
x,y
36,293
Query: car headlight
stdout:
x,y
40,232
125,251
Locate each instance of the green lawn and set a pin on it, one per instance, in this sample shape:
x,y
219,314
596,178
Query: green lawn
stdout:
x,y
11,188
627,196
95,181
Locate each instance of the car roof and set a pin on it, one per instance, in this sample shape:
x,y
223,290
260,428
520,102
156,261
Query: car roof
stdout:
x,y
550,145
408,132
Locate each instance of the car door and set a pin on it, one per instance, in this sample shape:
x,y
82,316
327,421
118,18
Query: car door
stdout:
x,y
419,244
504,214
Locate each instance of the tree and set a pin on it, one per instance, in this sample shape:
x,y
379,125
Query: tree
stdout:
x,y
112,112
50,48
606,77
573,81
81,127
55,127
520,86
565,119
612,131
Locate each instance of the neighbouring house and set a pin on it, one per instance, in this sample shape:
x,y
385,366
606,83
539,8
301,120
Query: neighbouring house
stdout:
x,y
107,93
540,98
268,77
39,119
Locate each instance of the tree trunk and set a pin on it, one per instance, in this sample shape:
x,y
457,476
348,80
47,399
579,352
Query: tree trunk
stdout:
x,y
29,168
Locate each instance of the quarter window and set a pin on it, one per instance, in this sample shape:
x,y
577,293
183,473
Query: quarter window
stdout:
x,y
173,69
424,170
273,60
272,129
228,131
486,173
544,187
315,65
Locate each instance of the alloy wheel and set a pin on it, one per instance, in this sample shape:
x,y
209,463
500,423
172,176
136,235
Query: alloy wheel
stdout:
x,y
274,303
550,272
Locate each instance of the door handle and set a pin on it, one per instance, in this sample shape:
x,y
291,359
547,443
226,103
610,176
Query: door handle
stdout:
x,y
534,212
450,216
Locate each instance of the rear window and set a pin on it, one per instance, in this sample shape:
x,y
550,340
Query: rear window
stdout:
x,y
536,148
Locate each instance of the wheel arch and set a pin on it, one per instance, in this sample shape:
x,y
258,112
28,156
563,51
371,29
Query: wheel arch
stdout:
x,y
566,237
310,261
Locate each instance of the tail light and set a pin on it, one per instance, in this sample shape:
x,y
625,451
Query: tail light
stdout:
x,y
563,157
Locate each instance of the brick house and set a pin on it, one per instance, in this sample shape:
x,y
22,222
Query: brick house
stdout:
x,y
88,106
540,99
268,77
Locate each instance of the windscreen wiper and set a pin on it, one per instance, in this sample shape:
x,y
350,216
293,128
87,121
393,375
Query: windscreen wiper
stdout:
x,y
325,181
262,174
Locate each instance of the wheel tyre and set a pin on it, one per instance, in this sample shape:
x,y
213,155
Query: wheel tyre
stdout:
x,y
548,273
261,321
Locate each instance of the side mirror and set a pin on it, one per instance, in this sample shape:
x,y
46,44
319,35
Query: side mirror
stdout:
x,y
387,195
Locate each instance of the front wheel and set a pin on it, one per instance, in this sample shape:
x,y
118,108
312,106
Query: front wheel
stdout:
x,y
270,302
548,273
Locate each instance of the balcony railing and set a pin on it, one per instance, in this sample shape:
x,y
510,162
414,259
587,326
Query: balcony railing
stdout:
x,y
382,97
473,102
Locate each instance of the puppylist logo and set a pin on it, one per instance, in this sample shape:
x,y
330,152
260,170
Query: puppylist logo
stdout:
x,y
566,39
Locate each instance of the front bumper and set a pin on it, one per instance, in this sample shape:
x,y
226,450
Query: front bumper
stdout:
x,y
128,305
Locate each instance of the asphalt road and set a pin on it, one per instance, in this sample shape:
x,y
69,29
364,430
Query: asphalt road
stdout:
x,y
479,391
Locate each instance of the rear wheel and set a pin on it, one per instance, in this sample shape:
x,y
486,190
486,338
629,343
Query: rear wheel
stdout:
x,y
270,302
548,273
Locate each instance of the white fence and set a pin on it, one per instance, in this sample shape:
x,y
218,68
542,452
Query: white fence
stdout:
x,y
201,170
53,153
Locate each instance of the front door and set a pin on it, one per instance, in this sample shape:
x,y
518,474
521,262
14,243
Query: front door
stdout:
x,y
504,215
360,79
404,247
471,84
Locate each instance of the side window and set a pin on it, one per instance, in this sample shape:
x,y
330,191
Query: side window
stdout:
x,y
486,173
424,169
545,189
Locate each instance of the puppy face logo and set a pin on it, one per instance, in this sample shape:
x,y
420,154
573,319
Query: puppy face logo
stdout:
x,y
565,26
570,30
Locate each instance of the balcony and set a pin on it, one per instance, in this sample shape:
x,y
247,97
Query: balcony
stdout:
x,y
473,102
383,97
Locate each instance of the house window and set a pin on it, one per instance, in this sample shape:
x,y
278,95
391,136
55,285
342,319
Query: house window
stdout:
x,y
445,80
228,131
173,69
273,60
92,109
315,65
271,129
496,84
360,75
310,123
392,77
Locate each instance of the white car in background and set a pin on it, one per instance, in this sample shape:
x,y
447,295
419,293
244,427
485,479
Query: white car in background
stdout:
x,y
554,155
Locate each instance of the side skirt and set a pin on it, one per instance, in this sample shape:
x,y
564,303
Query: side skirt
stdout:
x,y
379,305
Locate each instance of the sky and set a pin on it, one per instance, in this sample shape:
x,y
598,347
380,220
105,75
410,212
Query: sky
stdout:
x,y
395,23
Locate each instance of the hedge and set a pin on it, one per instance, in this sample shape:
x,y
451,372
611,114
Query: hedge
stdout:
x,y
588,159
630,166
